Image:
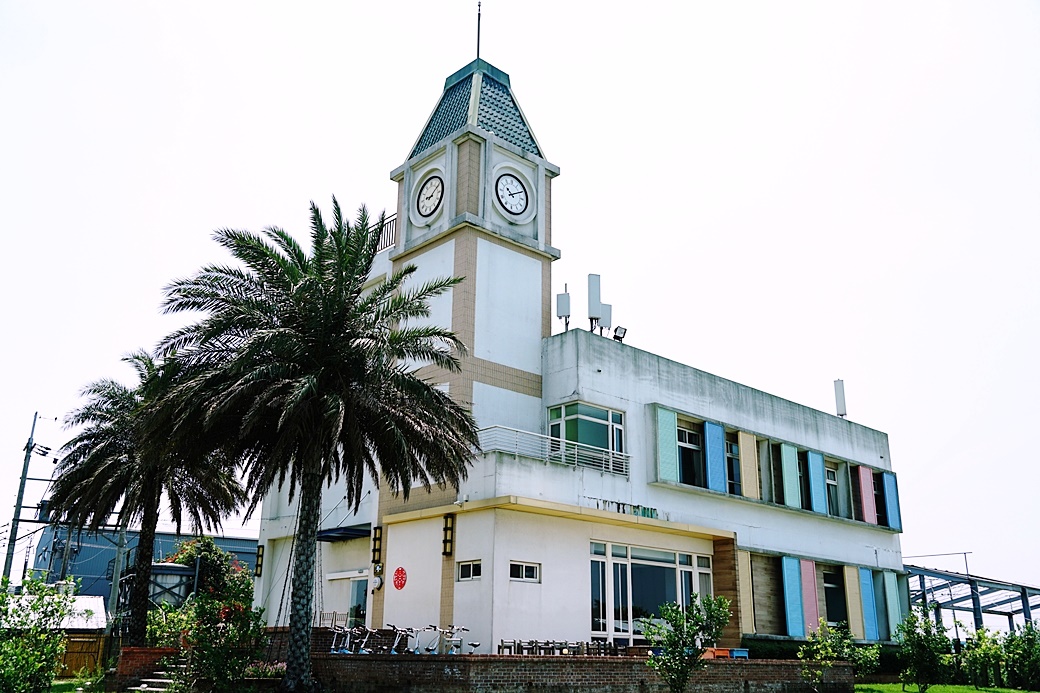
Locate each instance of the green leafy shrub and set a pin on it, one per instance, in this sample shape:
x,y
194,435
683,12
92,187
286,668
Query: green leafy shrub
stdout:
x,y
1022,656
680,636
924,649
167,625
31,640
829,644
218,631
983,659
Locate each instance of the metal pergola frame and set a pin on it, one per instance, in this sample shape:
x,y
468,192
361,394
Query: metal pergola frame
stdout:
x,y
943,589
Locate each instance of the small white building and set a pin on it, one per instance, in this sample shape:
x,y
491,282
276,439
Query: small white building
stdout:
x,y
611,479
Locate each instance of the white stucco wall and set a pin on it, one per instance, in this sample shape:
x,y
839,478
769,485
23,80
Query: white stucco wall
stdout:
x,y
436,262
416,547
497,406
508,322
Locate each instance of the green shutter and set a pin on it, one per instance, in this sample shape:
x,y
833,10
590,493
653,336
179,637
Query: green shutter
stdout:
x,y
667,446
789,463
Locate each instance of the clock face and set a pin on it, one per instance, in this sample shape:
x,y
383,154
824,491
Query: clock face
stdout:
x,y
430,194
512,194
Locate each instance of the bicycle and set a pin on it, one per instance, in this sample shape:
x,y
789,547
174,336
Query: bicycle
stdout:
x,y
450,636
405,634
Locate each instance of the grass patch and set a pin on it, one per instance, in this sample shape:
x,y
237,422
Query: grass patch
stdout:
x,y
938,688
65,686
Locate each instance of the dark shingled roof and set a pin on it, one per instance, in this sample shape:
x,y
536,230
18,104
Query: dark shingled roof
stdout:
x,y
497,111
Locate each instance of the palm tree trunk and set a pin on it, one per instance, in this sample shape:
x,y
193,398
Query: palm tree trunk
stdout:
x,y
301,615
139,596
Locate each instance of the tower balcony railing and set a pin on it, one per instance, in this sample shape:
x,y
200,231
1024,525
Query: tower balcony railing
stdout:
x,y
538,447
388,237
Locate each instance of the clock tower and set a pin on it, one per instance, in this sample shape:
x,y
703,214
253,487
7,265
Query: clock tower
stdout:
x,y
474,201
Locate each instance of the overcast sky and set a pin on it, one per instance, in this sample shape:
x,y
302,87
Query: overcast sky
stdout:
x,y
779,193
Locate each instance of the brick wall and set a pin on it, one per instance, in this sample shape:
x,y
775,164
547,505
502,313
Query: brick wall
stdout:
x,y
522,674
136,663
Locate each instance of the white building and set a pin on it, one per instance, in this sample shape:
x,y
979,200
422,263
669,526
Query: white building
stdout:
x,y
611,479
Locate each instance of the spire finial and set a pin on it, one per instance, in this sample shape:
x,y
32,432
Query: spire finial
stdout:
x,y
478,31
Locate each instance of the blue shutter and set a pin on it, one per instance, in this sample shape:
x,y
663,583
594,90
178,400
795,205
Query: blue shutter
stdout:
x,y
715,453
792,572
667,446
866,590
817,483
892,501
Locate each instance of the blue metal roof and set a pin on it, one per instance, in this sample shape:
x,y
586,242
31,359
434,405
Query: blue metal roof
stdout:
x,y
496,109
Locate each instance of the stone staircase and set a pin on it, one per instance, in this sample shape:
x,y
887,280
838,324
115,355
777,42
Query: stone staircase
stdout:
x,y
159,680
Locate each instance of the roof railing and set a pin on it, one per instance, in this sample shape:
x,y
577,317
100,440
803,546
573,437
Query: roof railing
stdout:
x,y
546,449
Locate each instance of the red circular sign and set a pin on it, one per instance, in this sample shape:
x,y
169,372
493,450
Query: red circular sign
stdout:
x,y
400,577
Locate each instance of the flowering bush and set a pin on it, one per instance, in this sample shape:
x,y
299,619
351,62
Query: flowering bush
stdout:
x,y
218,631
265,670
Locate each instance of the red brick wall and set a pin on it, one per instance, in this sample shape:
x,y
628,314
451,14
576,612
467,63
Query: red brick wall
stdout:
x,y
136,663
516,674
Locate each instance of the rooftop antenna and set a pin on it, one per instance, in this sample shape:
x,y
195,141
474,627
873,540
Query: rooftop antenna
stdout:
x,y
839,397
595,307
563,308
478,31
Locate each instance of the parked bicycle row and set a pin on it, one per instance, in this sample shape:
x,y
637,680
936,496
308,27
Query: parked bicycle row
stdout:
x,y
430,640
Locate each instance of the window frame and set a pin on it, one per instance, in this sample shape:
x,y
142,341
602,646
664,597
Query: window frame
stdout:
x,y
685,430
734,483
471,565
612,563
524,566
614,421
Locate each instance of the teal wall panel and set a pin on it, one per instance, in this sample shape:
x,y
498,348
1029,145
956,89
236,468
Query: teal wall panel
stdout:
x,y
789,464
892,501
667,446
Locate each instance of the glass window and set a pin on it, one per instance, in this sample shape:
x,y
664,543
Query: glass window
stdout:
x,y
599,596
526,572
589,425
803,480
834,596
732,463
692,467
653,555
469,570
358,602
832,491
641,579
879,499
652,586
620,597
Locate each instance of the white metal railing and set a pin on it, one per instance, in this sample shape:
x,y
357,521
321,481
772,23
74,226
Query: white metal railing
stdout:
x,y
532,445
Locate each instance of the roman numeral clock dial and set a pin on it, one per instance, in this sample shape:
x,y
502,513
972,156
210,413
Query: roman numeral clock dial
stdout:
x,y
512,194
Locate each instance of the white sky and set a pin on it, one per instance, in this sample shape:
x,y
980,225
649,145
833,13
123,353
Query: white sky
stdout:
x,y
780,193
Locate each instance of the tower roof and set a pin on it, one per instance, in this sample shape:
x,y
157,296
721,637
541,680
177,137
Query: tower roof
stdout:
x,y
494,109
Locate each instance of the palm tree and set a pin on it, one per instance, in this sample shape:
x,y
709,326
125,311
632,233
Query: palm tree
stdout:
x,y
117,465
305,368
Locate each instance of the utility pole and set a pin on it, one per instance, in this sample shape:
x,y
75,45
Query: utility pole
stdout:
x,y
13,536
117,575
